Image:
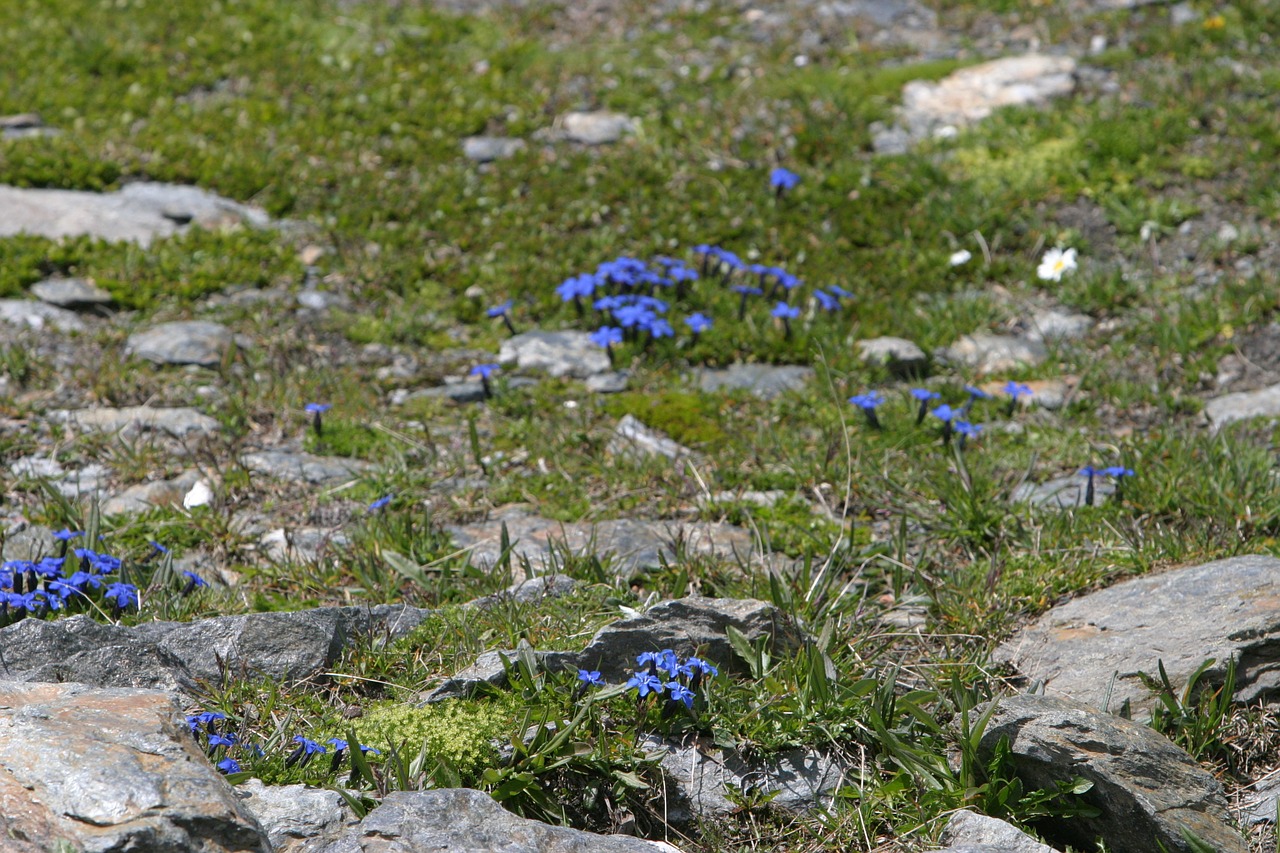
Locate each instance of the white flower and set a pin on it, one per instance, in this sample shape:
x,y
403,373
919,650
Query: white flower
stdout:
x,y
1056,263
199,495
961,257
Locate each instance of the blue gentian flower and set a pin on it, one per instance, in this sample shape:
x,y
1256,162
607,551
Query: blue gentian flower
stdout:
x,y
122,594
484,371
592,677
826,301
317,410
702,666
698,323
868,402
1016,390
49,567
194,582
158,548
923,395
783,311
645,683
1117,471
782,179
679,693
380,503
66,534
660,328
306,750
503,310
606,336
1090,472
966,431
229,765
337,743
668,662
228,739
839,291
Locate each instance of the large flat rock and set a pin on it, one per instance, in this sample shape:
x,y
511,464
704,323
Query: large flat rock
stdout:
x,y
1091,649
110,770
137,212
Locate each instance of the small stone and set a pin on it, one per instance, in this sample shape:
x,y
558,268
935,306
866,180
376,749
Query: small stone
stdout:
x,y
179,422
147,496
901,356
304,467
71,293
322,300
766,381
596,128
562,353
614,382
633,438
291,814
186,342
985,353
971,831
486,149
38,315
1055,325
1243,405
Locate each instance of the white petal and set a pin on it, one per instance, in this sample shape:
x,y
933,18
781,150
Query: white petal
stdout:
x,y
961,257
199,495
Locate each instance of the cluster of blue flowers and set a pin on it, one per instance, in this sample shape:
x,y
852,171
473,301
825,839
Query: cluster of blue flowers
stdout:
x,y
661,674
954,419
220,746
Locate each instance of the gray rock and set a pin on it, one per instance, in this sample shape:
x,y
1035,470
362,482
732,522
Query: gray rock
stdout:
x,y
111,770
1258,802
701,779
633,438
461,820
303,467
81,482
147,496
625,545
1064,492
764,380
971,94
1147,789
71,293
38,315
291,814
322,300
1055,325
458,392
490,669
186,342
177,422
901,356
563,353
1097,644
25,541
1243,405
24,126
971,831
614,382
137,212
596,128
486,149
527,592
985,353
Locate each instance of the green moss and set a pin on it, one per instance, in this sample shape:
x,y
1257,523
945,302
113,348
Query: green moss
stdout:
x,y
1026,171
458,732
690,419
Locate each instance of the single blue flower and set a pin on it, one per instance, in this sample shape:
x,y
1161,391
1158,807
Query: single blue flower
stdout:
x,y
679,693
380,502
1088,471
80,580
194,580
484,371
337,743
839,291
500,310
669,663
975,393
703,667
105,564
64,589
783,311
309,746
606,336
49,567
592,677
646,658
229,765
826,301
746,290
66,535
782,179
645,683
228,739
158,548
1117,471
966,429
123,594
317,408
698,323
924,395
869,400
207,717
660,328
944,413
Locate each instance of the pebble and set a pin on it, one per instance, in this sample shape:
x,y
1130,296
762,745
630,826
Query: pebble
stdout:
x,y
71,293
38,315
186,342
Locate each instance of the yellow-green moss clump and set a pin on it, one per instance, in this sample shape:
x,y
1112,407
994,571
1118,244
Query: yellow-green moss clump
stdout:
x,y
456,732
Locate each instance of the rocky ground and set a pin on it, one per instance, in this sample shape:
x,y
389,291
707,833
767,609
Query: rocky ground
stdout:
x,y
934,440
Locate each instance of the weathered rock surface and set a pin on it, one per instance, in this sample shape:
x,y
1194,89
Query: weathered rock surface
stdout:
x,y
76,294
1063,492
301,544
38,315
970,832
971,94
174,656
563,353
110,770
1056,325
1243,405
185,342
1147,789
901,356
701,777
986,353
461,820
179,422
145,496
528,591
304,467
294,814
627,544
596,128
764,380
1098,643
633,438
486,149
138,212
